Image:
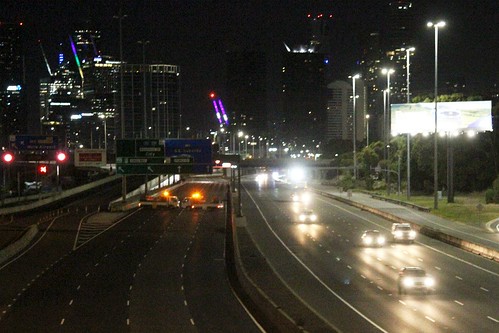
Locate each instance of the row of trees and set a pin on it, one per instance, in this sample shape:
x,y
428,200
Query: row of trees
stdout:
x,y
475,159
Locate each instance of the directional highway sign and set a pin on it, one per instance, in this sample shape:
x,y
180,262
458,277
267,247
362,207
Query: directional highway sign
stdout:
x,y
154,169
199,151
33,142
156,156
140,148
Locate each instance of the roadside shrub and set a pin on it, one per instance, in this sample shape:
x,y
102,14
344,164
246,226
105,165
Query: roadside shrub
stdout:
x,y
495,189
489,196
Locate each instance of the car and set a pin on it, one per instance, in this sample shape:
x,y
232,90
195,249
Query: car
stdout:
x,y
403,232
414,278
373,238
307,215
301,196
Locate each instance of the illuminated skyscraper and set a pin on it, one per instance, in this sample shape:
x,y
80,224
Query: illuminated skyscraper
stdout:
x,y
302,120
161,116
12,86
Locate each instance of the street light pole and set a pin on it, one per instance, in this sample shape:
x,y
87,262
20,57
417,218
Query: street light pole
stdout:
x,y
408,57
435,151
354,132
120,17
387,72
144,43
367,130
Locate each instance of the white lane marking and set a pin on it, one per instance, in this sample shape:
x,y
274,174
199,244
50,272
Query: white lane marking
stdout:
x,y
457,302
459,278
493,319
402,302
438,268
62,321
430,319
32,245
484,289
70,302
192,322
427,246
344,301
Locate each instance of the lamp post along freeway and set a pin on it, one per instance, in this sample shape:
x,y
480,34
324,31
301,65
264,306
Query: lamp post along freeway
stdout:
x,y
435,150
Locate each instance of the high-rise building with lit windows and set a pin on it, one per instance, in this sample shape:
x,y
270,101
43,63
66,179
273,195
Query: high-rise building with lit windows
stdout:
x,y
12,86
151,95
303,114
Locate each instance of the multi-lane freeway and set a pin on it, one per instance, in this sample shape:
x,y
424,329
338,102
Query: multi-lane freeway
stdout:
x,y
153,270
354,288
163,270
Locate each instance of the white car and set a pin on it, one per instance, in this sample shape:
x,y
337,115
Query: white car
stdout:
x,y
373,238
307,215
414,278
303,197
403,232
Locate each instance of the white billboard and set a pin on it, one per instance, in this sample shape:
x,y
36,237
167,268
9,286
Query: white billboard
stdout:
x,y
452,117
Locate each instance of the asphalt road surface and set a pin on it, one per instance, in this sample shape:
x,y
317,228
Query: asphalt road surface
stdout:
x,y
155,270
354,288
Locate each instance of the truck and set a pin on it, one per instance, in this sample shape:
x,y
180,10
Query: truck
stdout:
x,y
167,201
199,203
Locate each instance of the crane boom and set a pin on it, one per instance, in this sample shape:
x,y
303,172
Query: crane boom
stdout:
x,y
45,58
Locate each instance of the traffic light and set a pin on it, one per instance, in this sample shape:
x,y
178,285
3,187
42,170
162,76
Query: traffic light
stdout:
x,y
212,95
43,169
8,157
61,156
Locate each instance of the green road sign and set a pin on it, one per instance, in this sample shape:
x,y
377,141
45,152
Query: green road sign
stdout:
x,y
140,148
157,169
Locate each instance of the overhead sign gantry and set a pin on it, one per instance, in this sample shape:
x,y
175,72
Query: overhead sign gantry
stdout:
x,y
168,156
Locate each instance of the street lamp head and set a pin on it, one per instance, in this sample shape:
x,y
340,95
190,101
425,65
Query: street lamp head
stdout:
x,y
387,71
367,116
440,24
355,76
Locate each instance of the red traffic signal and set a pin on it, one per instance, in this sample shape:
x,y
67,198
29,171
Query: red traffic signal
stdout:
x,y
43,169
212,95
61,156
8,157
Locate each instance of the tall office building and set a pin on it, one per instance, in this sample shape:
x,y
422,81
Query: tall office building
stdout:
x,y
399,36
387,50
303,116
246,92
151,95
400,25
13,117
340,111
302,120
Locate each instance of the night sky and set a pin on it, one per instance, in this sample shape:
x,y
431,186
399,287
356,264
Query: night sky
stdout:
x,y
196,34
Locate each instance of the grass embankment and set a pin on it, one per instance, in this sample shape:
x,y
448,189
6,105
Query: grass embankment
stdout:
x,y
465,208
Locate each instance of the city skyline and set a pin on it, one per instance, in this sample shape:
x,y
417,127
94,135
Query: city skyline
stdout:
x,y
196,36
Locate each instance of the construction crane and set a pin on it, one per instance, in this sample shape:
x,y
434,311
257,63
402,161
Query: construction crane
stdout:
x,y
219,109
45,58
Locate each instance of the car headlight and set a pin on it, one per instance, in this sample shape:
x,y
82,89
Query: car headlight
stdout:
x,y
302,217
381,240
412,234
408,282
313,217
398,233
368,240
429,282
